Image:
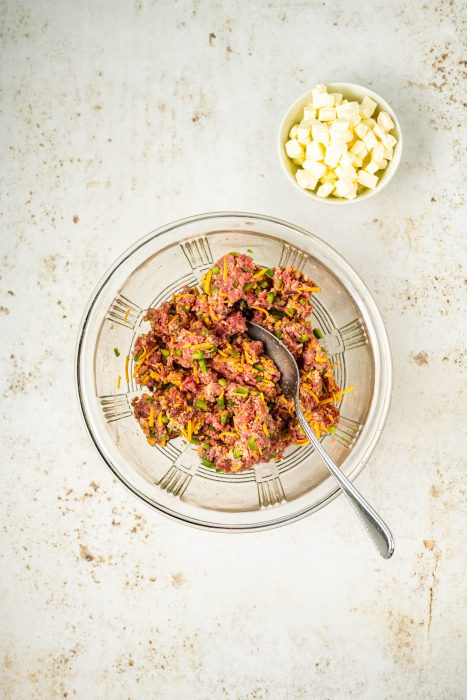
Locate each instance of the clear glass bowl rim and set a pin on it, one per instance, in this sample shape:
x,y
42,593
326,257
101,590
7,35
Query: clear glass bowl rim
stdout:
x,y
370,307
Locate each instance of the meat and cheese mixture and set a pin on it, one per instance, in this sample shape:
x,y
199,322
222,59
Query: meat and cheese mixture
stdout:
x,y
208,382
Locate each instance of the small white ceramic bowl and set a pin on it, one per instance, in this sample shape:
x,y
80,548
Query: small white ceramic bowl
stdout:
x,y
350,91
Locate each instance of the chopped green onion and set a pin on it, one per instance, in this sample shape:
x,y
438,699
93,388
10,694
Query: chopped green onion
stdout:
x,y
198,355
318,333
195,441
269,272
248,286
304,338
254,392
278,334
207,446
137,356
235,255
224,418
243,305
178,352
293,311
202,366
164,419
332,429
165,352
251,443
214,288
263,284
278,284
259,367
237,453
221,403
249,250
222,381
230,402
241,390
201,403
186,308
117,352
207,463
216,270
270,297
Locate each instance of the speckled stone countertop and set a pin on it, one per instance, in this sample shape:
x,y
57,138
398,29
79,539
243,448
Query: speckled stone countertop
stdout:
x,y
118,118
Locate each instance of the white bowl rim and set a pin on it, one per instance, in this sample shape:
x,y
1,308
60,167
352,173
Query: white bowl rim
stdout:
x,y
342,87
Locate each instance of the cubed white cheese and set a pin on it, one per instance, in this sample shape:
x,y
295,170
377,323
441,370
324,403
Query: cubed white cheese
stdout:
x,y
389,141
348,110
314,151
306,180
383,164
304,131
293,148
359,148
318,90
367,179
330,176
370,123
325,189
377,152
345,188
327,114
293,132
320,132
309,112
388,153
316,168
340,125
299,160
367,107
385,121
369,140
337,98
361,130
379,132
324,99
372,167
347,172
333,155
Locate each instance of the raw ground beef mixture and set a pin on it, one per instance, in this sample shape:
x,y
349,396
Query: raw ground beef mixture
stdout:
x,y
208,382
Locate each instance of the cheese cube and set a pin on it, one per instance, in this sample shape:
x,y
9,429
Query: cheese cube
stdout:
x,y
372,167
333,155
345,188
326,114
368,106
293,148
377,152
367,179
309,112
318,90
325,189
369,140
388,153
306,180
361,130
329,177
370,123
383,164
316,168
323,100
337,98
346,160
346,173
385,121
315,151
319,132
379,132
304,131
299,160
359,148
293,132
340,125
389,141
348,110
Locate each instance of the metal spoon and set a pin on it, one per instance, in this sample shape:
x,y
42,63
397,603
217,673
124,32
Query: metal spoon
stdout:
x,y
290,383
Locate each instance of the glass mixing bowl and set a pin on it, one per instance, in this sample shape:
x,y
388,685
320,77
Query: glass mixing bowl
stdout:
x,y
171,479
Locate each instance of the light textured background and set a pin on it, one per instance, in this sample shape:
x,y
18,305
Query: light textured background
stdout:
x,y
118,117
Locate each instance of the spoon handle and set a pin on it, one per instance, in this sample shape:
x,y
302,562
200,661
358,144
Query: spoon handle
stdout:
x,y
375,527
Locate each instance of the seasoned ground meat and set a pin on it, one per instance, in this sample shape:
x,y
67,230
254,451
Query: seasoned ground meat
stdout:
x,y
212,385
